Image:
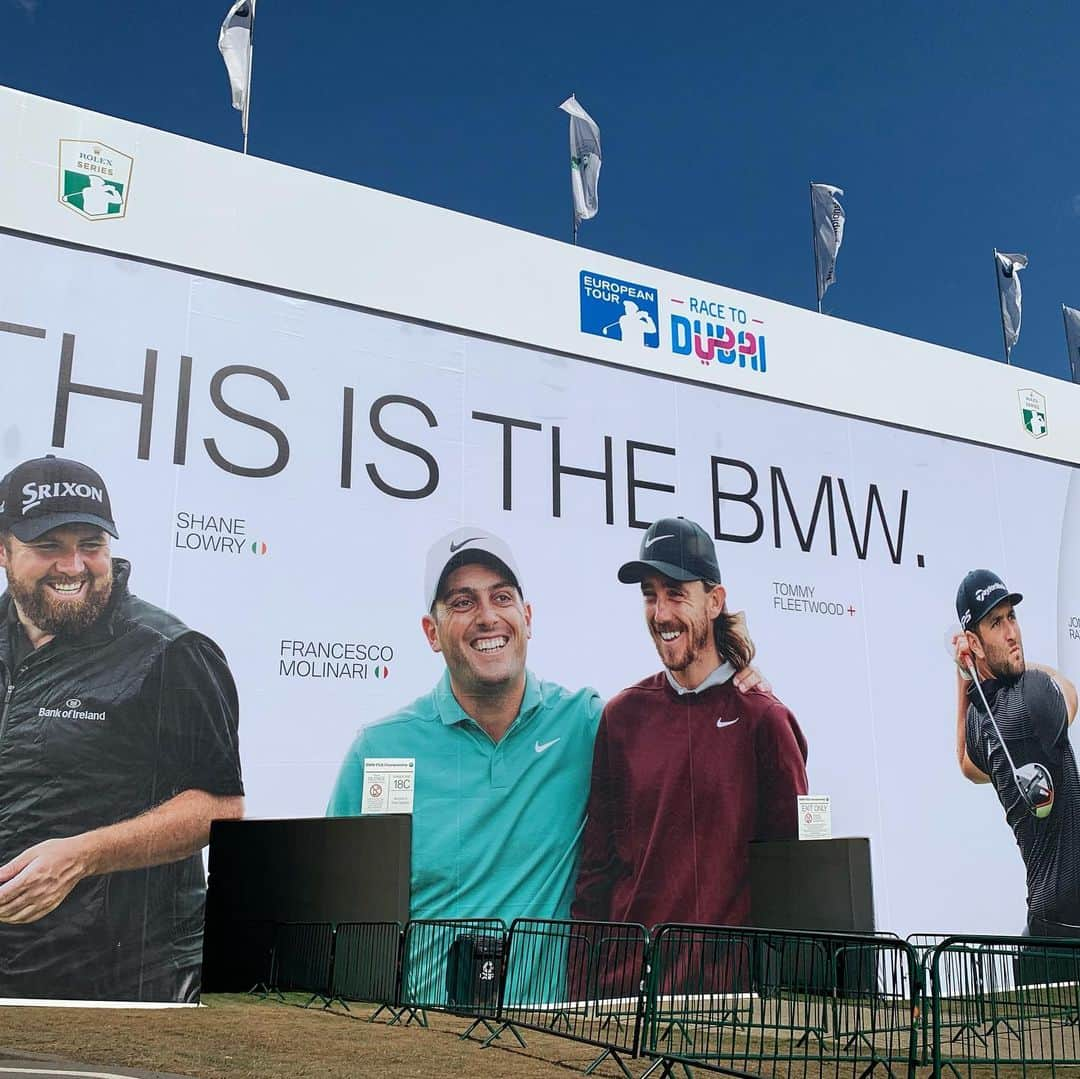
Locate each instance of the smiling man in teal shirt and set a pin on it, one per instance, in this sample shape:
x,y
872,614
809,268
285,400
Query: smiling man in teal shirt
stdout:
x,y
502,759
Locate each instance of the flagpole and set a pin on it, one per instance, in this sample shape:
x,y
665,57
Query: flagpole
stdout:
x,y
1068,351
1001,309
813,246
573,208
251,58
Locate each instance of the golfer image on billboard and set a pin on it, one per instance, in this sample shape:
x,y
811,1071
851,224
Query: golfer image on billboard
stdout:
x,y
689,765
502,757
118,747
1012,731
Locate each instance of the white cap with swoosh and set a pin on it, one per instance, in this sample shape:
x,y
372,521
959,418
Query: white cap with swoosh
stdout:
x,y
465,545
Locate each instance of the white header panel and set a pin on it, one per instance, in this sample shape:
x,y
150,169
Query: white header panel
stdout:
x,y
88,179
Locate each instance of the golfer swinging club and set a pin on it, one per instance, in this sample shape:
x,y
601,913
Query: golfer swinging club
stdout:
x,y
1012,730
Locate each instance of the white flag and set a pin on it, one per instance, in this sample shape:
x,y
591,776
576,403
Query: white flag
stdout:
x,y
234,42
1072,339
1008,278
828,217
584,160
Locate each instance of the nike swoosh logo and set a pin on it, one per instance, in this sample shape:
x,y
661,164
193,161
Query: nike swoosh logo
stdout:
x,y
541,747
727,722
657,539
455,547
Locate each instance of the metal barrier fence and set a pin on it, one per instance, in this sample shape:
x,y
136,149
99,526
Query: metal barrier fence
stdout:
x,y
749,1002
358,961
757,1002
924,945
304,957
1005,1002
367,964
579,980
453,965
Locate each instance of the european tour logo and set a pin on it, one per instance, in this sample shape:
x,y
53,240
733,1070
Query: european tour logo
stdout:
x,y
619,310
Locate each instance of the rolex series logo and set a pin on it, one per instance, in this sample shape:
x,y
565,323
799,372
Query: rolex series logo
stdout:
x,y
95,179
1033,412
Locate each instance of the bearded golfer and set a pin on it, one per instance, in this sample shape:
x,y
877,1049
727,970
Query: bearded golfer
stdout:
x,y
687,770
118,747
1015,735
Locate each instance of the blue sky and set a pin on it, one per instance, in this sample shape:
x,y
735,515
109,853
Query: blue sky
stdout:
x,y
950,127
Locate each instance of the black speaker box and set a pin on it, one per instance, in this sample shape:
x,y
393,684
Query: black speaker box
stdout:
x,y
323,869
822,884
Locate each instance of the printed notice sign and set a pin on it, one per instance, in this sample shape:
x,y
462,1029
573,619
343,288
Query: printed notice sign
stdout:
x,y
388,785
815,816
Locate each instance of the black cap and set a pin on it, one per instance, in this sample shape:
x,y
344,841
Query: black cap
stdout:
x,y
50,491
979,593
677,548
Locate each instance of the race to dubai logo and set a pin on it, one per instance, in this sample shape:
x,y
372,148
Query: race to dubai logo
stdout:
x,y
1033,412
706,329
716,331
95,179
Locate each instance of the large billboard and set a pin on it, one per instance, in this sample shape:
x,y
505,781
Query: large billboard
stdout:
x,y
280,466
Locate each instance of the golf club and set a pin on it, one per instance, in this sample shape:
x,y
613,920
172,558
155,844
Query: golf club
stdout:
x,y
1032,780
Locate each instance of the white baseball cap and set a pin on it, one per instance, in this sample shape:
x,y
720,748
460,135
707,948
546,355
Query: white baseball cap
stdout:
x,y
459,548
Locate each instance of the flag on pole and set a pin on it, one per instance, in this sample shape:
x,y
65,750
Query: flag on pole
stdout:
x,y
1008,269
234,43
1072,339
828,221
584,161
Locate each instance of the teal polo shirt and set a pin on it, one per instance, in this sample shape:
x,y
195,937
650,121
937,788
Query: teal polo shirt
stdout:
x,y
496,825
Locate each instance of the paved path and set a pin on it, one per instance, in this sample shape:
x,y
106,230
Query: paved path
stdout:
x,y
33,1066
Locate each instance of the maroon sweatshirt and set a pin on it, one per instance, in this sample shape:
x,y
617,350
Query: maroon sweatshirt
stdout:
x,y
680,786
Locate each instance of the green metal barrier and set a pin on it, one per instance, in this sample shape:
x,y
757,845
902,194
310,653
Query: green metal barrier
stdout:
x,y
367,965
764,1003
304,952
1005,1003
923,945
455,966
963,975
877,998
579,980
748,1002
